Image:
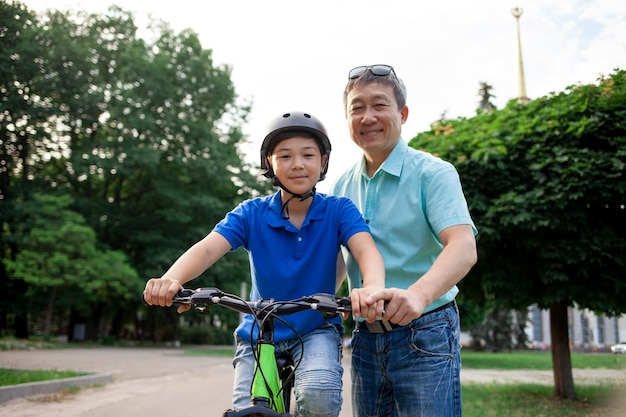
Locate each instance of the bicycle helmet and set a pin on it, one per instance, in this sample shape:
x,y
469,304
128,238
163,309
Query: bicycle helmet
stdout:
x,y
295,123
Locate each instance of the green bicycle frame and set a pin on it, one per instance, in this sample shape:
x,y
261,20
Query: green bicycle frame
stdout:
x,y
266,382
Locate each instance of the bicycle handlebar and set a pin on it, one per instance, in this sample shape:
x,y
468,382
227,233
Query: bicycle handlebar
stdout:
x,y
327,304
208,296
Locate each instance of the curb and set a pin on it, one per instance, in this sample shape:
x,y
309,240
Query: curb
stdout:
x,y
46,387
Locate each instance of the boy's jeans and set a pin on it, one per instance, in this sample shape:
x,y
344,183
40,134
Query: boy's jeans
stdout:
x,y
318,383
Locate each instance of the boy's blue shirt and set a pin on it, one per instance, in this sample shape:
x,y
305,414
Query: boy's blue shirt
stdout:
x,y
286,262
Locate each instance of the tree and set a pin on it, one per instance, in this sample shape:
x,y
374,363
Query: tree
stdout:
x,y
485,103
144,135
58,253
153,132
24,141
545,183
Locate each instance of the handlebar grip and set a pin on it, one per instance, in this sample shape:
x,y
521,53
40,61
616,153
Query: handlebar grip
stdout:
x,y
184,293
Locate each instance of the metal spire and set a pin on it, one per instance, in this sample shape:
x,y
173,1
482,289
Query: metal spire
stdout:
x,y
522,98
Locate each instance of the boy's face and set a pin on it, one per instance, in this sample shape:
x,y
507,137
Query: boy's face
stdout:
x,y
297,163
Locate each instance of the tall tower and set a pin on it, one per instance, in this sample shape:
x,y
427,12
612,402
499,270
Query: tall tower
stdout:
x,y
522,98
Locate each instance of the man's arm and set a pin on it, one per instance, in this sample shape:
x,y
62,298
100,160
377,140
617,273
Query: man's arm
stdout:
x,y
451,266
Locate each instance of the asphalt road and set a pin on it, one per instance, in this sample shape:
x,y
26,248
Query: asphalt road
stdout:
x,y
164,382
154,382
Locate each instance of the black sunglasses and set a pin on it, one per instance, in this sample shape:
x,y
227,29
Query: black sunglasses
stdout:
x,y
380,70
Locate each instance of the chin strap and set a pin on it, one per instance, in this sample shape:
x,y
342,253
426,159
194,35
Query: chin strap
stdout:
x,y
284,211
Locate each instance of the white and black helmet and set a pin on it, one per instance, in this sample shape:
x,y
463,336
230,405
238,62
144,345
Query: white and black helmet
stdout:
x,y
287,125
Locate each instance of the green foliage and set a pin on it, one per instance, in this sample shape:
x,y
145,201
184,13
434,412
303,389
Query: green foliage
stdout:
x,y
59,250
143,135
59,253
545,184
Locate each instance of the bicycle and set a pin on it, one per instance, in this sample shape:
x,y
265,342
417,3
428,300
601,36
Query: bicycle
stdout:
x,y
273,376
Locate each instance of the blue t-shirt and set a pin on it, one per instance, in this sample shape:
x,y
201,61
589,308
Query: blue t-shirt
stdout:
x,y
288,263
410,199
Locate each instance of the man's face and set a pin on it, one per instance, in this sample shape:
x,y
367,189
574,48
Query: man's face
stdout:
x,y
374,120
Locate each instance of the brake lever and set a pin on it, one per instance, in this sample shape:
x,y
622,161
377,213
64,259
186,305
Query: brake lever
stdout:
x,y
329,303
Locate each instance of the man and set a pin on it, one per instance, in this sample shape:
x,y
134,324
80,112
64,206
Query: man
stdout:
x,y
408,364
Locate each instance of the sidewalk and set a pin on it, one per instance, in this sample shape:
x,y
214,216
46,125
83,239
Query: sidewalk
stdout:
x,y
154,382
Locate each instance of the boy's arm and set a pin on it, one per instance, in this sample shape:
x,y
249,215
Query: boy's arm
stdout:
x,y
372,268
341,271
196,260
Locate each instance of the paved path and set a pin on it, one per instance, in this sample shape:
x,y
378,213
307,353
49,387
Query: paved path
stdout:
x,y
164,382
154,382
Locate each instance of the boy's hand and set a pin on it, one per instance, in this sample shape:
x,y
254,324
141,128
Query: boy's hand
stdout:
x,y
371,311
161,291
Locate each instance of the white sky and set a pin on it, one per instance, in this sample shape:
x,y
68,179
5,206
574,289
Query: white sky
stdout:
x,y
293,55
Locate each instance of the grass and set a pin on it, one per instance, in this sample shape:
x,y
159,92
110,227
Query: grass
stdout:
x,y
536,400
541,361
19,376
533,400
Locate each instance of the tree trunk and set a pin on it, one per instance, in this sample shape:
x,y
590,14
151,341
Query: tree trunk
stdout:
x,y
93,323
16,290
49,309
117,324
561,357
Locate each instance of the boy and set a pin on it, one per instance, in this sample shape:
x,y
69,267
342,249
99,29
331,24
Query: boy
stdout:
x,y
293,238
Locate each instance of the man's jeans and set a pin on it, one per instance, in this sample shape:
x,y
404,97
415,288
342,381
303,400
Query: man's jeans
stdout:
x,y
318,381
410,371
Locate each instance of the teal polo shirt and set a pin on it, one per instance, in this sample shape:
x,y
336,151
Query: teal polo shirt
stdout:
x,y
410,199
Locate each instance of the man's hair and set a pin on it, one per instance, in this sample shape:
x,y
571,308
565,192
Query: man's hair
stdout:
x,y
399,89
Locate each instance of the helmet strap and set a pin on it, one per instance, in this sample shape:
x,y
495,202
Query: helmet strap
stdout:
x,y
284,211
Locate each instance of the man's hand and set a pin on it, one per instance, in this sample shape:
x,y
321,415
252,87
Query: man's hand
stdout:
x,y
401,307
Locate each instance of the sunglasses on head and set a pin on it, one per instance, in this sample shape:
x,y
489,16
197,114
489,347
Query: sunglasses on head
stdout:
x,y
380,70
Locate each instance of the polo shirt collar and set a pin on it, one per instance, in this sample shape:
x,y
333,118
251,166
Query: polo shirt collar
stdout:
x,y
393,163
274,218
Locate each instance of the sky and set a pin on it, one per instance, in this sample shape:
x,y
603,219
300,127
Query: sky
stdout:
x,y
292,55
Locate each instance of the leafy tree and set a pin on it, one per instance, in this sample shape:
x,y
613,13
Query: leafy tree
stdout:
x,y
485,103
24,141
143,134
58,253
153,131
545,183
